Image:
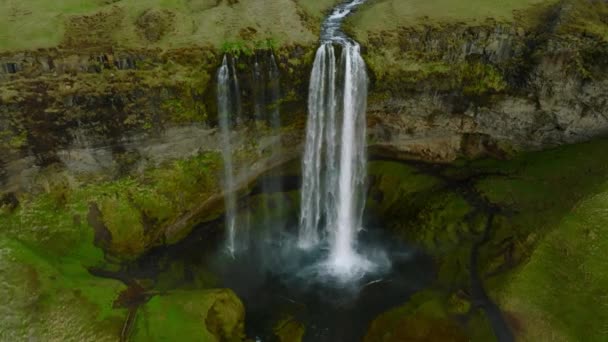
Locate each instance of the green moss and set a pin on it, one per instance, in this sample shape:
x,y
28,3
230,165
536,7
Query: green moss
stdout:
x,y
479,79
387,15
37,24
587,17
551,296
289,330
397,73
182,112
393,183
442,221
210,315
125,224
54,298
46,291
416,206
424,318
134,210
540,188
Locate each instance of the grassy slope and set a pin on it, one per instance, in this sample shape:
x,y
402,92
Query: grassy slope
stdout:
x,y
554,285
204,315
46,247
558,225
42,23
562,292
386,15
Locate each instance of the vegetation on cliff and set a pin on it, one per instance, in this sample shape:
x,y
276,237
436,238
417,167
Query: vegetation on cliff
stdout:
x,y
163,24
425,42
128,215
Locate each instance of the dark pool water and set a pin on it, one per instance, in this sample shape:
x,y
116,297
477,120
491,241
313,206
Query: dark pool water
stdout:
x,y
275,279
273,283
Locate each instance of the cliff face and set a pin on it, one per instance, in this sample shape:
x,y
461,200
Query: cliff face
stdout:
x,y
448,89
111,113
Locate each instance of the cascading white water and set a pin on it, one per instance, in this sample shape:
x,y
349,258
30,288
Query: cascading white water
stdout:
x,y
352,168
227,109
321,108
332,200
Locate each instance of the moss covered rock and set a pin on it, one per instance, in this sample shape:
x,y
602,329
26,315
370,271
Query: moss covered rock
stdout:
x,y
289,329
204,315
49,294
427,317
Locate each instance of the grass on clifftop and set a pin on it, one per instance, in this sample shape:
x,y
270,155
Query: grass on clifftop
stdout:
x,y
386,15
33,24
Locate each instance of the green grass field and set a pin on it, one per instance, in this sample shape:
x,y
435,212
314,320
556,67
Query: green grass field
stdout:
x,y
32,24
383,15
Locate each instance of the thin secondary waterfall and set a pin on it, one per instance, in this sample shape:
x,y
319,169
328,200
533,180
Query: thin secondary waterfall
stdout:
x,y
334,162
265,97
228,104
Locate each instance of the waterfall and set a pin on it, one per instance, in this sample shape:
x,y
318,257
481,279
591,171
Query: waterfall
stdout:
x,y
334,162
265,96
228,105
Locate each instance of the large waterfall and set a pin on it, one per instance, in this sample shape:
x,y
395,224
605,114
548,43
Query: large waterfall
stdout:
x,y
334,163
